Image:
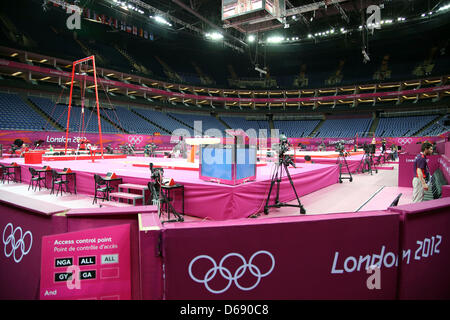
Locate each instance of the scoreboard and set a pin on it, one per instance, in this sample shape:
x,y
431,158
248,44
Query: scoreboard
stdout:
x,y
236,8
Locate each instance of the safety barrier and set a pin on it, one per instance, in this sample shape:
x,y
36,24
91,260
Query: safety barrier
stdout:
x,y
301,257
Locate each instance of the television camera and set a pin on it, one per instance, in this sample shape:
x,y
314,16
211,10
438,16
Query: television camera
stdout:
x,y
284,161
159,197
340,147
283,148
128,149
149,149
369,148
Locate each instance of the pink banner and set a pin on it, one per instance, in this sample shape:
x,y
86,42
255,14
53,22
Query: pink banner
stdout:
x,y
151,261
309,257
424,272
406,168
89,264
20,251
52,72
399,141
58,139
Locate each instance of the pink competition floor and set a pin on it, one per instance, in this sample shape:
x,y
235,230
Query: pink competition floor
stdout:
x,y
202,199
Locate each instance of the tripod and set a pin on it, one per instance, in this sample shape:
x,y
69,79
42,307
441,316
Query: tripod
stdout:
x,y
342,160
366,163
160,197
277,176
381,156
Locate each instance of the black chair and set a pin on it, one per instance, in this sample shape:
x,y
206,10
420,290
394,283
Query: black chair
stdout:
x,y
58,180
101,187
35,180
7,174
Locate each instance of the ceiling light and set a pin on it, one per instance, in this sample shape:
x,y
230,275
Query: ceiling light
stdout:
x,y
275,39
161,20
251,38
214,36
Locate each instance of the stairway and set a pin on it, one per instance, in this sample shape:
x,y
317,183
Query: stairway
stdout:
x,y
129,196
133,62
85,49
52,122
153,123
183,123
316,129
168,71
203,78
336,78
418,133
271,124
223,122
383,72
374,126
115,125
14,34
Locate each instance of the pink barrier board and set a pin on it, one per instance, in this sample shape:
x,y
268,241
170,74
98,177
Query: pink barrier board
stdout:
x,y
424,271
89,264
444,165
309,257
151,262
20,253
406,168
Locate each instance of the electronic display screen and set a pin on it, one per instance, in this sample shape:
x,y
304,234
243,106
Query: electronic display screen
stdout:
x,y
234,8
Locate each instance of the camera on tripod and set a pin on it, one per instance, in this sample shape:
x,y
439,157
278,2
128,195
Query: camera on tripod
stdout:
x,y
369,148
283,163
284,144
157,174
340,146
284,147
159,197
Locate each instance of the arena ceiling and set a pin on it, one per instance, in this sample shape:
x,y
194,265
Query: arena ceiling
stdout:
x,y
303,17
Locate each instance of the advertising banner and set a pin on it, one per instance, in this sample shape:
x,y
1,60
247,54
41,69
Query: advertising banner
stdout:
x,y
402,141
20,249
424,272
406,168
58,139
311,257
89,264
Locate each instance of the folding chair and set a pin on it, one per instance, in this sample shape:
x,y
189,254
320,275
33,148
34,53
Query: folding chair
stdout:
x,y
35,179
58,180
101,187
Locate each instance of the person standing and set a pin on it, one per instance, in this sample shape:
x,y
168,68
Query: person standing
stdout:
x,y
421,172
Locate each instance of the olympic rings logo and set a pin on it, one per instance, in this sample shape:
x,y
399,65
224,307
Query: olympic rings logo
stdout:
x,y
404,141
226,273
135,139
15,243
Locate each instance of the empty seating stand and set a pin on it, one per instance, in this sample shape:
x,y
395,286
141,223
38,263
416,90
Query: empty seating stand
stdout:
x,y
15,114
344,128
402,126
296,129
